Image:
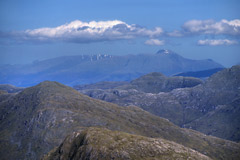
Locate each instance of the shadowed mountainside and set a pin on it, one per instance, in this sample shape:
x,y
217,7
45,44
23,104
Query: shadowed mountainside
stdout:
x,y
200,74
224,122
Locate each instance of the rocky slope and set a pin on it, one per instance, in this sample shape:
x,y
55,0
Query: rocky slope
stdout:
x,y
86,69
37,119
224,122
103,144
183,105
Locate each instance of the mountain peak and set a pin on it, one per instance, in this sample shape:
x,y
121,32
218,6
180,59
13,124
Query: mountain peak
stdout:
x,y
47,83
165,51
50,85
49,89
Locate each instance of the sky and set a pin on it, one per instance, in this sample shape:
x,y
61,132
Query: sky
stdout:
x,y
197,29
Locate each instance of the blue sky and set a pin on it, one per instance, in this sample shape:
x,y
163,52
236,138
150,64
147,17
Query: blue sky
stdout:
x,y
196,29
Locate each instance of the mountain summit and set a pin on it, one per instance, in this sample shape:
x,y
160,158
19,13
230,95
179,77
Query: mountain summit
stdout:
x,y
165,51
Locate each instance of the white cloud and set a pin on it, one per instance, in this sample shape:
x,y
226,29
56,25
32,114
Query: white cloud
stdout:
x,y
84,32
223,27
175,33
217,42
154,42
93,31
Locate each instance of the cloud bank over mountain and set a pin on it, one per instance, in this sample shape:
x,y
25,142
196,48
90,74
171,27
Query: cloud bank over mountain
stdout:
x,y
85,32
96,31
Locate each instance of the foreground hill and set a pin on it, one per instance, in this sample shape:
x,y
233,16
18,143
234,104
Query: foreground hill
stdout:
x,y
37,119
103,144
183,106
87,69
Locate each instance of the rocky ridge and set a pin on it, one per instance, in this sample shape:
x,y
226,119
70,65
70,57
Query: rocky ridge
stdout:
x,y
181,106
103,144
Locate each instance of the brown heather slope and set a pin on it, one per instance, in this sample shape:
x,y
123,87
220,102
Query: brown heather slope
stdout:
x,y
103,144
37,119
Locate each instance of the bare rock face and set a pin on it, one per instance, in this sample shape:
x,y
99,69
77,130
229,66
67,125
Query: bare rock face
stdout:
x,y
103,144
181,106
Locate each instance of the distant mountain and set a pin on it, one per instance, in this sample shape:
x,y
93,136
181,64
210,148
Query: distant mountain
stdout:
x,y
10,88
151,83
200,74
103,144
38,119
185,107
86,69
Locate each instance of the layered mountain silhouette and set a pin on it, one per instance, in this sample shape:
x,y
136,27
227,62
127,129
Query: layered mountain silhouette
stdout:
x,y
211,107
85,69
37,119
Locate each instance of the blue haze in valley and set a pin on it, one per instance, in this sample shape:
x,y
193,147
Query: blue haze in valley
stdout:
x,y
199,29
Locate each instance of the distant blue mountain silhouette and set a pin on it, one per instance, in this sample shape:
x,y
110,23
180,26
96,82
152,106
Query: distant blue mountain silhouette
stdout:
x,y
85,69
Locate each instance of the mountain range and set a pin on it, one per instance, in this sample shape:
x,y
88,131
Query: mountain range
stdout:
x,y
210,106
37,119
86,69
